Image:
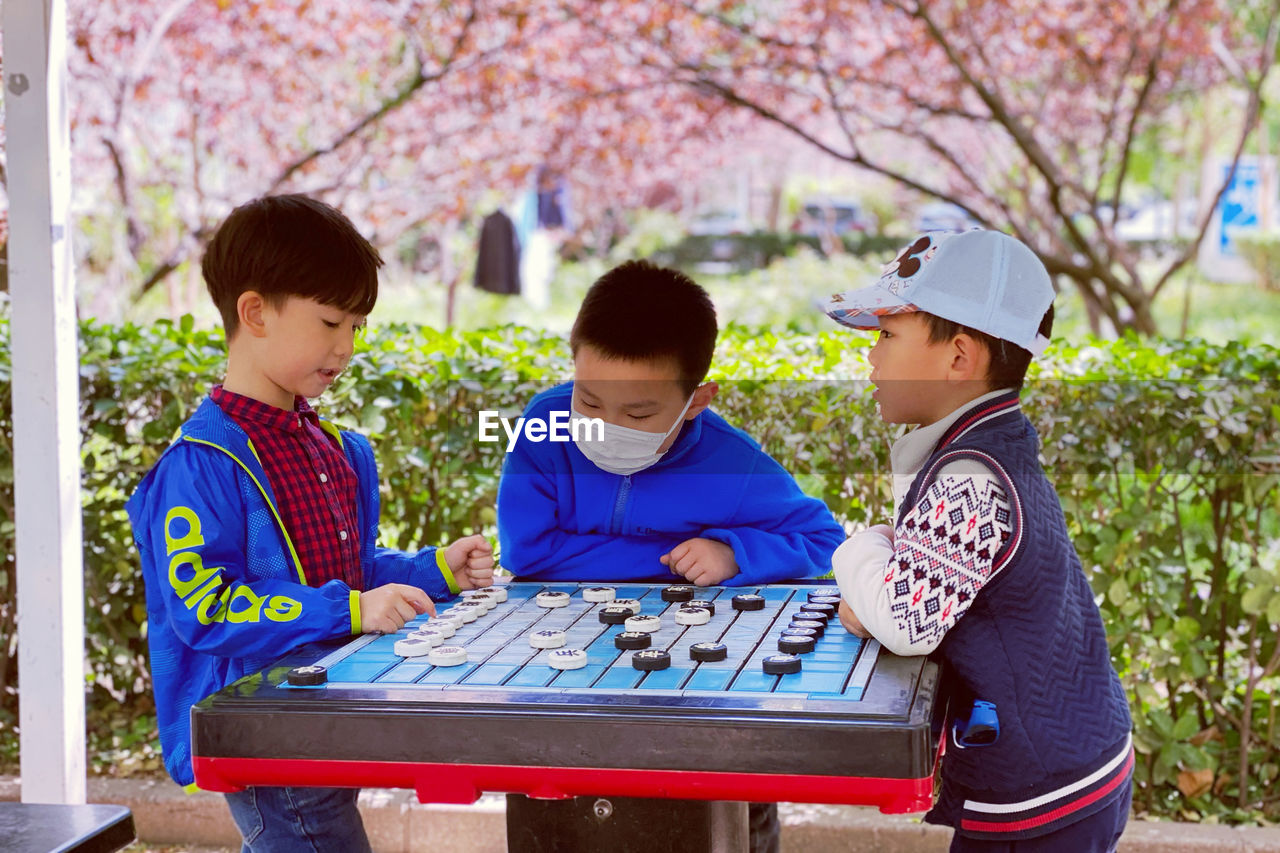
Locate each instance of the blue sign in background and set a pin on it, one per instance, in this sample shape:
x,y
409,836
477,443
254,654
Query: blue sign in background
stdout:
x,y
1238,209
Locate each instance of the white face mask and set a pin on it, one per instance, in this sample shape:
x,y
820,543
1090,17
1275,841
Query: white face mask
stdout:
x,y
623,450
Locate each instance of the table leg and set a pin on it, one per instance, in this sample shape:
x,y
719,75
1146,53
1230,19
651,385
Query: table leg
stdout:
x,y
625,825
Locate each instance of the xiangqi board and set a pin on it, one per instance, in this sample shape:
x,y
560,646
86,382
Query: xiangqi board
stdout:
x,y
644,690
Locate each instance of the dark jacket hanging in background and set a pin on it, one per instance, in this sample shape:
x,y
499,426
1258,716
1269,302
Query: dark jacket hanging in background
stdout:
x,y
498,260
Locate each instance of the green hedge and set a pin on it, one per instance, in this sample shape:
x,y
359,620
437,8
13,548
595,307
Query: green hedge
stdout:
x,y
758,249
1167,458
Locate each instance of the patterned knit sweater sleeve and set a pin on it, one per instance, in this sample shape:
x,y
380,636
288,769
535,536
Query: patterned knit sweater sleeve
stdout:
x,y
909,591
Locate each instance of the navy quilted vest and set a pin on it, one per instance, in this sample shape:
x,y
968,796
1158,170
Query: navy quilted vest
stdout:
x,y
1033,643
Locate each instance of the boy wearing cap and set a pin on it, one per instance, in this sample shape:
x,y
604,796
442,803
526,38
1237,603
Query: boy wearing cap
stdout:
x,y
978,565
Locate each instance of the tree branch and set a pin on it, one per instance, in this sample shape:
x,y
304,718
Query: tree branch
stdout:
x,y
395,102
1253,111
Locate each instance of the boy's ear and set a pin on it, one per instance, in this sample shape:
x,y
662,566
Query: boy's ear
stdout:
x,y
249,308
970,359
702,397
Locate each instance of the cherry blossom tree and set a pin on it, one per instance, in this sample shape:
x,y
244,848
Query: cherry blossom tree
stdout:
x,y
1026,113
409,114
416,114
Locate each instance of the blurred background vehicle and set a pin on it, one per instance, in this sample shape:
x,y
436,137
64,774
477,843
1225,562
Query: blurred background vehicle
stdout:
x,y
720,221
944,216
832,217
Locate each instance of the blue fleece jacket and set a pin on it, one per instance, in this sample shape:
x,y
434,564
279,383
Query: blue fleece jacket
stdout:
x,y
562,518
226,593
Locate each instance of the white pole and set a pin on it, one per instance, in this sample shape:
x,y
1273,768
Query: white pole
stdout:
x,y
46,440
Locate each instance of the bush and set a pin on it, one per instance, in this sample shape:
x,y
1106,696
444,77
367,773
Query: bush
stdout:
x,y
744,252
1262,252
1166,455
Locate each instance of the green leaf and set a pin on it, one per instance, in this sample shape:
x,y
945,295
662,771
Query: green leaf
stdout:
x,y
1118,592
1255,600
1273,609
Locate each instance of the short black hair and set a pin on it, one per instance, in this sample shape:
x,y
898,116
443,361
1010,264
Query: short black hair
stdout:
x,y
1009,362
639,311
290,245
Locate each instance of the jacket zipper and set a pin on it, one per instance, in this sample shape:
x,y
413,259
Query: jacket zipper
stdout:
x,y
620,505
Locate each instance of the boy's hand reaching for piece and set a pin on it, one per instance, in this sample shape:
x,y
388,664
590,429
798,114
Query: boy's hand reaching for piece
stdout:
x,y
704,562
388,607
471,561
851,622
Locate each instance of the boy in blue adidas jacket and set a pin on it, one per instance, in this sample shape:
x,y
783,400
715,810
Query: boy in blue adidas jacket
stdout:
x,y
258,526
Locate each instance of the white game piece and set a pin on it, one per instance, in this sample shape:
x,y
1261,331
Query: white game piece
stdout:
x,y
553,599
566,658
645,622
692,616
633,603
497,592
446,626
478,595
412,647
448,655
547,639
484,605
598,594
466,614
434,636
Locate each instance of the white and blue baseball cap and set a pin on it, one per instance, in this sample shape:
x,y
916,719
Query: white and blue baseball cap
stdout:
x,y
985,280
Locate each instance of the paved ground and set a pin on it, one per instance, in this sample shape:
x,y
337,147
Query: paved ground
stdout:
x,y
169,821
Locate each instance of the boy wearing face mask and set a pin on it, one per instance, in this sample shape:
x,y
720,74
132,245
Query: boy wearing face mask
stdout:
x,y
670,490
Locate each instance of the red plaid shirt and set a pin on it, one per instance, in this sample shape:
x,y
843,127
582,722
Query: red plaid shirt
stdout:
x,y
314,485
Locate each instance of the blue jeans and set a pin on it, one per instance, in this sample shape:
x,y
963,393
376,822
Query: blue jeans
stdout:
x,y
299,820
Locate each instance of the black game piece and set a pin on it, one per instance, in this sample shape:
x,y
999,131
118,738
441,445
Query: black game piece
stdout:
x,y
781,664
796,645
818,607
748,601
308,676
800,632
679,592
705,604
615,615
631,640
815,594
703,652
816,615
651,660
826,599
810,623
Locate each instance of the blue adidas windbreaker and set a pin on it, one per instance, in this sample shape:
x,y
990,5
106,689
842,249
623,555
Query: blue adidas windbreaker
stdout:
x,y
226,593
560,518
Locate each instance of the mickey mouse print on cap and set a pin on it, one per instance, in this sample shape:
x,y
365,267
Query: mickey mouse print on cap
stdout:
x,y
985,280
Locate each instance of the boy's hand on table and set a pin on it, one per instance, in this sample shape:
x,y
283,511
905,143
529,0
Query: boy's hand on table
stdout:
x,y
851,623
704,562
388,607
471,561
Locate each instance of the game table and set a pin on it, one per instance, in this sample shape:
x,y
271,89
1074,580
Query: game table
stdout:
x,y
855,725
